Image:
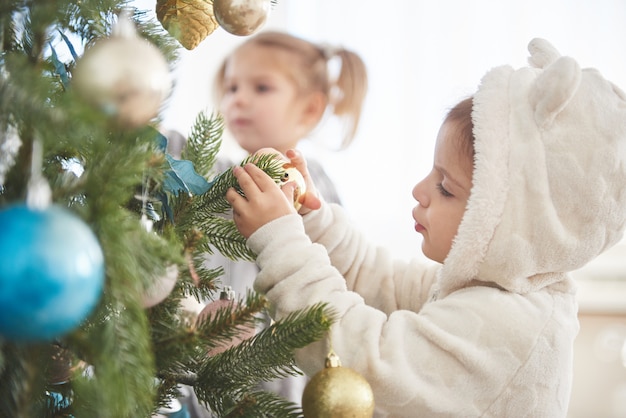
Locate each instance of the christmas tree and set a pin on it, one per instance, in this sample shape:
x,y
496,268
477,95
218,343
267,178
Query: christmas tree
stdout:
x,y
104,233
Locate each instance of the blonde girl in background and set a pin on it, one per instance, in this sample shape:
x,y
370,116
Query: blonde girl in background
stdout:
x,y
273,90
276,88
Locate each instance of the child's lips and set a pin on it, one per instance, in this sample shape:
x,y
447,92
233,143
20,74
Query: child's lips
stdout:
x,y
419,227
241,122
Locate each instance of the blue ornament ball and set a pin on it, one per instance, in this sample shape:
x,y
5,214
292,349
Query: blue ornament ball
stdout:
x,y
51,272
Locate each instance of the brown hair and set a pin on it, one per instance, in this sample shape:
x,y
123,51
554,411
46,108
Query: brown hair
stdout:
x,y
309,69
461,115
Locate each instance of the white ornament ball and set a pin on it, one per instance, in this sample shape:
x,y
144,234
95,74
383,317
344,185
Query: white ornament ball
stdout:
x,y
241,17
161,287
124,75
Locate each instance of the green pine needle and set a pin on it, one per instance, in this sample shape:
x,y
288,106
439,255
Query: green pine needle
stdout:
x,y
222,234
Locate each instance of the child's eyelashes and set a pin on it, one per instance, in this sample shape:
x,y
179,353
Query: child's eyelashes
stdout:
x,y
443,191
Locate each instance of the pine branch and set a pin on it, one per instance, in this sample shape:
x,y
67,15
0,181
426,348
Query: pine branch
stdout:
x,y
207,285
155,33
222,234
181,345
117,339
21,386
204,142
227,322
260,404
266,356
116,346
26,103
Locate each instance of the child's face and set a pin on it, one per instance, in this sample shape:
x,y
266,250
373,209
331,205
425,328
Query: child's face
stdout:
x,y
261,106
443,194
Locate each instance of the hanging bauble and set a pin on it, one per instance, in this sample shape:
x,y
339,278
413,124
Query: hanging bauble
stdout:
x,y
161,287
124,75
241,17
293,175
227,299
51,272
191,308
337,392
188,21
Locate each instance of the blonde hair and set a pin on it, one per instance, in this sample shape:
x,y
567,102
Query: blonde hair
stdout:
x,y
309,69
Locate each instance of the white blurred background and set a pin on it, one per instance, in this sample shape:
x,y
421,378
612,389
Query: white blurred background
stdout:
x,y
422,57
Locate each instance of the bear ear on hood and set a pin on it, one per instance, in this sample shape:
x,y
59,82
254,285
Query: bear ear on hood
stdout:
x,y
555,86
542,53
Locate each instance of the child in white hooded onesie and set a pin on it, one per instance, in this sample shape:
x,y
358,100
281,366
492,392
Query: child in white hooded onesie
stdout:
x,y
538,192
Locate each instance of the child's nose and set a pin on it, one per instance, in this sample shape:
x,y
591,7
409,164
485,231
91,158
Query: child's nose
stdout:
x,y
240,96
419,194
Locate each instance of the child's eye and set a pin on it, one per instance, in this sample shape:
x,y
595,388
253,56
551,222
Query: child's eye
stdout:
x,y
443,191
262,88
231,88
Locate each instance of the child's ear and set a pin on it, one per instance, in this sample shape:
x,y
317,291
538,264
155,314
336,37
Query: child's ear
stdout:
x,y
314,109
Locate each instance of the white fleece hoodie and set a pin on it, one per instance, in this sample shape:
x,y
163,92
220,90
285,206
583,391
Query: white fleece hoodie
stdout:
x,y
490,332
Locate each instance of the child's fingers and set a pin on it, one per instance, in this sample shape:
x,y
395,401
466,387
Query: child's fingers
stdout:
x,y
247,184
234,198
310,201
289,189
296,158
263,181
252,179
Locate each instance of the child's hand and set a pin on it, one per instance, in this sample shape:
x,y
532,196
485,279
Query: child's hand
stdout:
x,y
264,200
310,199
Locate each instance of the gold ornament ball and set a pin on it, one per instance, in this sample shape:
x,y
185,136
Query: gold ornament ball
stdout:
x,y
293,175
124,75
189,21
337,392
241,17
